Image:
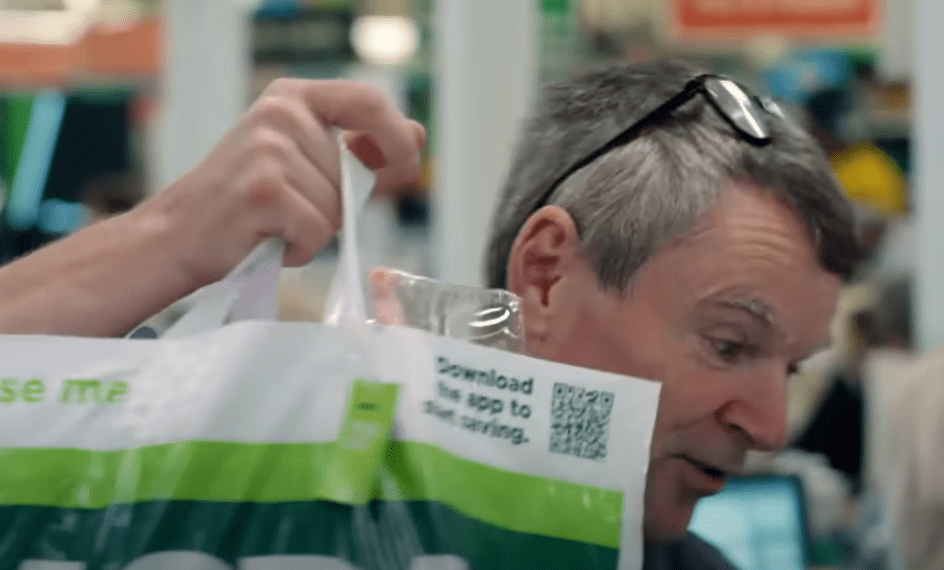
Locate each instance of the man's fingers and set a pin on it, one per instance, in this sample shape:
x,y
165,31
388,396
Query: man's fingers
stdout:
x,y
419,133
366,150
295,119
305,230
387,307
306,179
389,177
305,131
363,108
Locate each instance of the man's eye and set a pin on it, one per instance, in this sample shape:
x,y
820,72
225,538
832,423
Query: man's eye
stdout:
x,y
729,351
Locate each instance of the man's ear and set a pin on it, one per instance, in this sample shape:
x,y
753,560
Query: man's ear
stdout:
x,y
542,265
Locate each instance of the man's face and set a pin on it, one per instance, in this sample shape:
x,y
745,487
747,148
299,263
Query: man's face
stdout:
x,y
721,317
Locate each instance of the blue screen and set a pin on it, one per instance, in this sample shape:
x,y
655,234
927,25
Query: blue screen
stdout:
x,y
756,522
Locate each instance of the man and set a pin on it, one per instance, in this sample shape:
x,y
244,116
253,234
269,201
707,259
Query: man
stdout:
x,y
912,489
681,231
655,223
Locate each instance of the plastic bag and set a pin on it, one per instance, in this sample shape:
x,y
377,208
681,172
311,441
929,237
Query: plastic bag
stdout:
x,y
256,444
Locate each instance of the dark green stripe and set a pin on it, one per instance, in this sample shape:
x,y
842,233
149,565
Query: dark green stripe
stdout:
x,y
115,537
283,472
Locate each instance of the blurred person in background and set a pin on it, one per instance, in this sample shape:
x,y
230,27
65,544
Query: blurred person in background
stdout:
x,y
875,311
915,478
657,222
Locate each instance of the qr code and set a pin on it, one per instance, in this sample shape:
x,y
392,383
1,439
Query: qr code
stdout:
x,y
580,421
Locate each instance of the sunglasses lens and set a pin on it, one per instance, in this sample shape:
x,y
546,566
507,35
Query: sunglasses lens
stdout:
x,y
738,106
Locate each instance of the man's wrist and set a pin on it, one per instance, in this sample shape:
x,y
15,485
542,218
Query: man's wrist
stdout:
x,y
170,250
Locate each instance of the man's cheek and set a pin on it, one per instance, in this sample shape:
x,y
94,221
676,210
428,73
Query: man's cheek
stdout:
x,y
665,439
689,398
668,507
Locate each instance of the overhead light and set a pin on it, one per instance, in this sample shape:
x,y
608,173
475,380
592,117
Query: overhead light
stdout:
x,y
385,40
33,4
54,27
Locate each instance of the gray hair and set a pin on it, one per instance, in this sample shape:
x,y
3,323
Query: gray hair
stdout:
x,y
636,198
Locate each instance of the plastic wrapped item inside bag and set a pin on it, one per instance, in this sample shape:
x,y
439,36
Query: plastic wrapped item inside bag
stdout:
x,y
489,317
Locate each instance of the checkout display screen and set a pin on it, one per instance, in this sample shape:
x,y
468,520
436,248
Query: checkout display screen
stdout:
x,y
757,522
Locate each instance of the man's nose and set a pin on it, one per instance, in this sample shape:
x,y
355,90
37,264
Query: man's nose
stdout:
x,y
758,413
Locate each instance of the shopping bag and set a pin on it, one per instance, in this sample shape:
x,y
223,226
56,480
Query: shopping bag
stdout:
x,y
253,444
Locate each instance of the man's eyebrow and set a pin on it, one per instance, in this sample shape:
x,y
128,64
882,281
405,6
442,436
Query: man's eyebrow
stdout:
x,y
764,314
759,310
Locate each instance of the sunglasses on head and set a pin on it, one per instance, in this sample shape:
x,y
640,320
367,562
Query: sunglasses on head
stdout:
x,y
743,110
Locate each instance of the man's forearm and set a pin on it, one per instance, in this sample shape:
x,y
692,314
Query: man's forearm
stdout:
x,y
101,281
275,173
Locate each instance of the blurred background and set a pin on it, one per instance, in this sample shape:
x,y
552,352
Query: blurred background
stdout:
x,y
103,102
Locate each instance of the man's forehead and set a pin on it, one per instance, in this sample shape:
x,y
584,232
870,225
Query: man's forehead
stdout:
x,y
746,229
738,198
752,254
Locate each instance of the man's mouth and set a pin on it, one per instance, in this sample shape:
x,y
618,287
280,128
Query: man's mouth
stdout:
x,y
708,470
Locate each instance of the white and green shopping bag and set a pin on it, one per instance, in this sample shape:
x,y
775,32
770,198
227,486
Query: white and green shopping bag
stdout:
x,y
287,446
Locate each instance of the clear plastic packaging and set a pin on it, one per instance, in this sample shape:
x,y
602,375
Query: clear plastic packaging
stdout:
x,y
488,317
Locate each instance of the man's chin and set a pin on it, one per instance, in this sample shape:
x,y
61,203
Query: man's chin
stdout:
x,y
673,488
667,529
667,515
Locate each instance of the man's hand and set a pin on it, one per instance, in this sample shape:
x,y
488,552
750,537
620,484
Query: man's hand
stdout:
x,y
275,174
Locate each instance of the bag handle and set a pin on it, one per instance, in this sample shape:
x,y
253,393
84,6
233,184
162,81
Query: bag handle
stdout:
x,y
251,290
345,307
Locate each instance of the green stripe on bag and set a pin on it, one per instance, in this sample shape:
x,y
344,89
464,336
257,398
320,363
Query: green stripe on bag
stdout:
x,y
280,472
534,505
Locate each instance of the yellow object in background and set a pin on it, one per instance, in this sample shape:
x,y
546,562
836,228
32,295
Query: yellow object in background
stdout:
x,y
871,178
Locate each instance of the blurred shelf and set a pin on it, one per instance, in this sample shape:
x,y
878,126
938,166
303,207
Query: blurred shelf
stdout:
x,y
94,84
106,56
888,123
